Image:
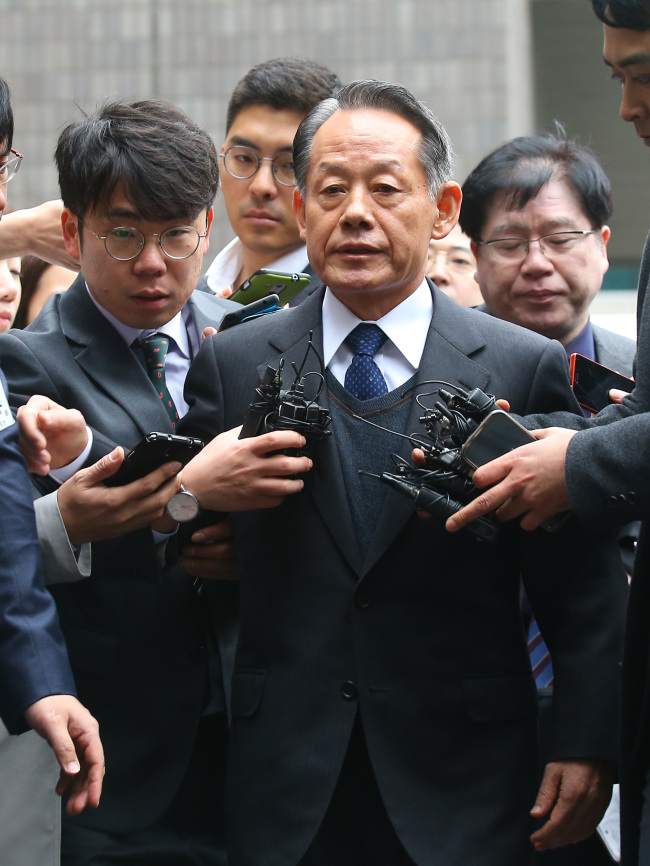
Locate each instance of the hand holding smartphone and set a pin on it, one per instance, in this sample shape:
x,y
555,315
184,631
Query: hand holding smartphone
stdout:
x,y
592,382
150,453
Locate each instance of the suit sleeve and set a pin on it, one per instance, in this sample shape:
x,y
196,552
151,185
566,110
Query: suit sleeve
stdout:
x,y
33,660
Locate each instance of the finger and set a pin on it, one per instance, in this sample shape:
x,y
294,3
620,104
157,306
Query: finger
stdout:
x,y
617,396
279,440
547,793
216,532
104,467
208,332
503,404
483,504
417,455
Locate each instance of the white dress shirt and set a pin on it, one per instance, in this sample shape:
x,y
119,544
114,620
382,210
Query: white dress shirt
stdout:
x,y
406,327
227,264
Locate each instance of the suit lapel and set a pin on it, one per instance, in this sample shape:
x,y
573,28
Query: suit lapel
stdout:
x,y
109,363
453,338
324,483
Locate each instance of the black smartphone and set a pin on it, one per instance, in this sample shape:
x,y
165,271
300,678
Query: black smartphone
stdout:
x,y
591,382
269,304
496,435
269,282
151,452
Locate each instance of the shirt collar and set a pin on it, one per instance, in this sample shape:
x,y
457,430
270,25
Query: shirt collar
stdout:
x,y
223,271
406,325
583,344
176,328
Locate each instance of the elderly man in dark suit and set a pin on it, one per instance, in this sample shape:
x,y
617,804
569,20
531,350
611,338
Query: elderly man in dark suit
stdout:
x,y
137,180
601,472
384,709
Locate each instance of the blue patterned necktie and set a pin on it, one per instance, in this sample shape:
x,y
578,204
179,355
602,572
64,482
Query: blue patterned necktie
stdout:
x,y
363,377
155,350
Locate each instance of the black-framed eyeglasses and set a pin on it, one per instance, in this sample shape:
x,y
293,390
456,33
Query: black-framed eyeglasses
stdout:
x,y
10,168
126,242
556,244
243,162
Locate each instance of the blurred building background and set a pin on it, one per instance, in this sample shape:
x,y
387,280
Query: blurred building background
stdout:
x,y
490,69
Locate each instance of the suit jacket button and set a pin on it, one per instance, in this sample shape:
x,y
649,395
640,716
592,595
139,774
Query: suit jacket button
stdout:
x,y
363,600
349,691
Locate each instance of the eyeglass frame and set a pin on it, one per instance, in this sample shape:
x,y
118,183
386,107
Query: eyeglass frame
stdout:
x,y
529,241
260,160
158,235
18,158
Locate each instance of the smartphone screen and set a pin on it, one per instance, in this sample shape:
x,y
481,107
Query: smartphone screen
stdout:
x,y
591,382
268,282
496,435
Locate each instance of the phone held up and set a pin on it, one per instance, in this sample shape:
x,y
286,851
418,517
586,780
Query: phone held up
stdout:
x,y
592,382
151,452
269,282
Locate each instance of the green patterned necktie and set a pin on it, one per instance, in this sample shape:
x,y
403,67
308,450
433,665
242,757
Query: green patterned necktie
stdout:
x,y
155,350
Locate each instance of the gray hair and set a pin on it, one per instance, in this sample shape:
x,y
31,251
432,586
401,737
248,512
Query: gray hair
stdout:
x,y
435,148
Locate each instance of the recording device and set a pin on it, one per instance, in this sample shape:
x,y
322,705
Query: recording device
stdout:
x,y
269,282
463,430
591,382
269,304
293,408
151,452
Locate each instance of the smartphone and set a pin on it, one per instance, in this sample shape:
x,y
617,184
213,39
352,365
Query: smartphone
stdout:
x,y
254,310
591,382
151,452
496,435
269,282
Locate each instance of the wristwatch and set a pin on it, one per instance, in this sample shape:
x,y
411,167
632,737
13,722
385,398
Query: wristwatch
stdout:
x,y
183,506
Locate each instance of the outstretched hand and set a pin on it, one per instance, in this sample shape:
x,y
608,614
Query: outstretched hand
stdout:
x,y
51,436
527,481
73,735
574,794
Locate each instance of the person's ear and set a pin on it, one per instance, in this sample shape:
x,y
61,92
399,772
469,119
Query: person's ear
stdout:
x,y
71,234
448,201
299,213
605,234
206,239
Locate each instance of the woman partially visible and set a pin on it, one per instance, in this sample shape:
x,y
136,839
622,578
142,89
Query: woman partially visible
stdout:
x,y
40,280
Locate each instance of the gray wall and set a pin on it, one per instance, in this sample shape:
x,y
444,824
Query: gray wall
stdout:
x,y
467,59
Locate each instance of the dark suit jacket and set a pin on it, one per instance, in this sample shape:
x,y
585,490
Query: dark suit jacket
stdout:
x,y
33,658
422,636
135,631
609,485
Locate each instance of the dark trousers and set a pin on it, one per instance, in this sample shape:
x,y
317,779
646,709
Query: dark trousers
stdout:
x,y
644,835
356,830
190,833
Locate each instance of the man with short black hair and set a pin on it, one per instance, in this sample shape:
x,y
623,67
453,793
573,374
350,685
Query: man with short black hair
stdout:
x,y
257,180
137,181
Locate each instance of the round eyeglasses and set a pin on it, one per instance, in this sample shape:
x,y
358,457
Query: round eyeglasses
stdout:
x,y
125,242
555,245
10,169
243,162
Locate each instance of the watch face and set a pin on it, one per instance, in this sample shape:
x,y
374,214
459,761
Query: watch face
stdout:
x,y
183,507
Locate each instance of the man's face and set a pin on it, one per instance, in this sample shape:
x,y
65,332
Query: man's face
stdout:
x,y
367,216
144,292
259,208
451,265
627,52
547,293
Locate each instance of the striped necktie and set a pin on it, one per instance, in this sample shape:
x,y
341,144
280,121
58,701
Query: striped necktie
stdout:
x,y
155,350
540,657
